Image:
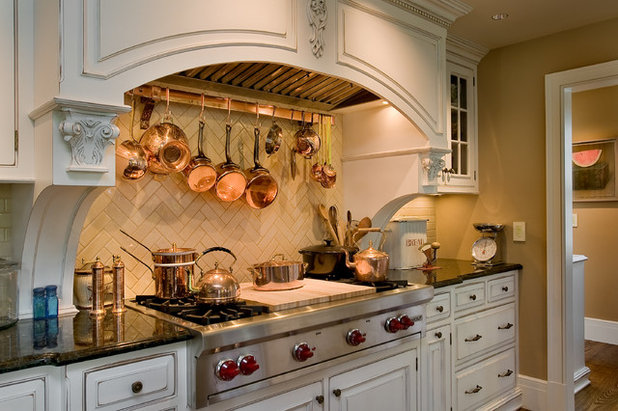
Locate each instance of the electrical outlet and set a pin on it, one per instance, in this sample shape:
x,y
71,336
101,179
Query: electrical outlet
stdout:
x,y
519,231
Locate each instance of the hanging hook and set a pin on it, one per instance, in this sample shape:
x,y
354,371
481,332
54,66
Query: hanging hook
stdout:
x,y
201,118
229,108
132,117
257,112
274,110
167,113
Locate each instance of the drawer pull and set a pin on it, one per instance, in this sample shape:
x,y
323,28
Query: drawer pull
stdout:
x,y
474,390
320,399
475,338
439,334
473,297
337,392
505,289
505,327
440,308
505,374
136,387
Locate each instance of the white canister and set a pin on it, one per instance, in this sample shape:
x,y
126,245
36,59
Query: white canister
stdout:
x,y
404,236
82,286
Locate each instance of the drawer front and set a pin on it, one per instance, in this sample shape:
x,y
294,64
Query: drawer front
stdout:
x,y
485,330
480,382
469,296
439,307
500,288
131,383
23,395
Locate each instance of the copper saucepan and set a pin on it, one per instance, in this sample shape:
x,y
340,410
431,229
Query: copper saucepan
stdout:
x,y
231,181
262,187
201,174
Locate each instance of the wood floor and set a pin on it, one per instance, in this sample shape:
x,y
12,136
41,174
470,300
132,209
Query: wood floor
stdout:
x,y
602,393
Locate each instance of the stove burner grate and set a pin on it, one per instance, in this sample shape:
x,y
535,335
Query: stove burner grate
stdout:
x,y
192,310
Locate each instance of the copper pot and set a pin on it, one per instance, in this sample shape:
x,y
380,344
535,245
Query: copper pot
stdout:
x,y
167,147
262,187
201,174
231,182
278,274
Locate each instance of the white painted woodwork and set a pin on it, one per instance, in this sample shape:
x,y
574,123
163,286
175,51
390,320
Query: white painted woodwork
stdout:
x,y
469,295
491,375
581,371
500,288
437,369
492,326
33,389
300,399
439,307
390,382
8,153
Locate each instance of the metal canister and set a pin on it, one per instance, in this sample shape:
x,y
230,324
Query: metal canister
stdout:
x,y
98,289
118,286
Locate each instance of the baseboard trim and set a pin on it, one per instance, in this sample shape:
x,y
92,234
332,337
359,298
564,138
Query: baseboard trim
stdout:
x,y
534,392
581,379
601,330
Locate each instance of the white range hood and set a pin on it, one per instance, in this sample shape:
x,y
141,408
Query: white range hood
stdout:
x,y
85,64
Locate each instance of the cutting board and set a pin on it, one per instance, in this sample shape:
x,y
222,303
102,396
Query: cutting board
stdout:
x,y
313,292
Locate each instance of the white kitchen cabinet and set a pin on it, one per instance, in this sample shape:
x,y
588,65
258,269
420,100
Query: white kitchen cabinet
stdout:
x,y
436,348
34,389
8,140
308,398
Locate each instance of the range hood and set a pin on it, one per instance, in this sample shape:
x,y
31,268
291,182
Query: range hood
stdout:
x,y
392,49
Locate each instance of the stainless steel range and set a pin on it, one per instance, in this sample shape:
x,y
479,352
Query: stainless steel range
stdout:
x,y
242,348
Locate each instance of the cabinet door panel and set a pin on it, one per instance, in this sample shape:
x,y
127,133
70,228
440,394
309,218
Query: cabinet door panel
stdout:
x,y
7,85
390,383
437,376
23,395
301,399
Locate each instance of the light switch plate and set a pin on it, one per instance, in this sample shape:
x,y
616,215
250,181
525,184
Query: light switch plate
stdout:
x,y
574,220
519,231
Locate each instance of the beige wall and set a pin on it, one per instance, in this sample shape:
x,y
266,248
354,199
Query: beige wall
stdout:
x,y
595,117
512,165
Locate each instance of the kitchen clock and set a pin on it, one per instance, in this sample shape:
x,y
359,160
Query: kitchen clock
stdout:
x,y
486,251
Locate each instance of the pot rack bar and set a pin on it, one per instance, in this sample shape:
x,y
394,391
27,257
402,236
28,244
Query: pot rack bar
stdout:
x,y
158,94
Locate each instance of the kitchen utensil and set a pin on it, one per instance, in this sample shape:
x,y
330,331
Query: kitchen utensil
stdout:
x,y
307,140
364,222
325,216
98,290
167,145
293,164
316,169
327,259
200,173
118,286
262,187
370,265
333,218
277,274
133,158
8,293
274,136
82,285
329,174
231,181
172,268
217,286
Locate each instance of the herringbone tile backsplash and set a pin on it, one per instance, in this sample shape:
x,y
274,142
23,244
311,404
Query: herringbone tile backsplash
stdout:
x,y
159,211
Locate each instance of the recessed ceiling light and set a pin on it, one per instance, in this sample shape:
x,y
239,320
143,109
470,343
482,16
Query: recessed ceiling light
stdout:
x,y
385,102
500,17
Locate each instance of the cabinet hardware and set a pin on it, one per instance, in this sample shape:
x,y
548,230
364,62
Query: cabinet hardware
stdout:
x,y
506,373
440,308
136,387
438,334
505,289
475,338
505,327
320,399
337,392
473,297
474,390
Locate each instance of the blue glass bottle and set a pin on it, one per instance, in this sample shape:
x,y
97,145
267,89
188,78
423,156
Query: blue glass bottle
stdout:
x,y
51,301
39,305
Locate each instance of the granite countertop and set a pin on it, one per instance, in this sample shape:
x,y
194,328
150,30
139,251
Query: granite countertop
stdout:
x,y
75,337
449,272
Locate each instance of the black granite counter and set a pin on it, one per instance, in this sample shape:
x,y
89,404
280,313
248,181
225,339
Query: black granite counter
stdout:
x,y
449,272
73,338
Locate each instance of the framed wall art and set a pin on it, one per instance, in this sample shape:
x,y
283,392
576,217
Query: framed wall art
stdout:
x,y
594,170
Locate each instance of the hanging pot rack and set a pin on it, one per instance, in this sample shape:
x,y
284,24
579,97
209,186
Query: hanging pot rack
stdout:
x,y
157,94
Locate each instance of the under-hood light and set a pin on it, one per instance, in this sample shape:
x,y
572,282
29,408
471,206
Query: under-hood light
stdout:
x,y
500,16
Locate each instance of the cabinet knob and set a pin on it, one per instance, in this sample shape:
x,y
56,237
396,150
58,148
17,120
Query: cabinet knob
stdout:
x,y
320,399
474,390
505,289
440,308
473,297
507,373
136,387
505,327
337,392
438,334
475,338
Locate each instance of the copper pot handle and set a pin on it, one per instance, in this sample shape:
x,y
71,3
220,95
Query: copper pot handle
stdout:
x,y
132,255
210,250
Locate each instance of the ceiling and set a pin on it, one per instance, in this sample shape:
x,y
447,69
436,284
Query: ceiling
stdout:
x,y
528,19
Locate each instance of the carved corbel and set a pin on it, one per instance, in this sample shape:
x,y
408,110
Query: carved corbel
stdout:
x,y
432,163
317,14
88,134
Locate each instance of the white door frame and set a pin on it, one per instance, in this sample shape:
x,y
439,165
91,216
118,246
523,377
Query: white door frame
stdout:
x,y
559,197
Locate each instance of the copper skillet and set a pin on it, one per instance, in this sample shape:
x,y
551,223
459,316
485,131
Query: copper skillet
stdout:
x,y
262,187
200,173
231,181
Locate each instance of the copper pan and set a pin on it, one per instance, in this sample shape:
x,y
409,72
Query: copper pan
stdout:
x,y
200,173
262,187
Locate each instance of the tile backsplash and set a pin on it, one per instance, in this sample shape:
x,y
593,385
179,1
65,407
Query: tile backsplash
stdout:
x,y
159,211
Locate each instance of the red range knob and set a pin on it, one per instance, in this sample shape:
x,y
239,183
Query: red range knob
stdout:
x,y
302,351
247,364
406,322
393,325
227,370
355,337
